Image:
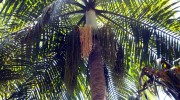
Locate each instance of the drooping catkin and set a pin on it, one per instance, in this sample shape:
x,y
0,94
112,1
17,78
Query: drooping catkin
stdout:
x,y
73,57
108,42
86,40
112,51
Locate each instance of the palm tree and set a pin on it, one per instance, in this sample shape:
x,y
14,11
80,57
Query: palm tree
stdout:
x,y
67,49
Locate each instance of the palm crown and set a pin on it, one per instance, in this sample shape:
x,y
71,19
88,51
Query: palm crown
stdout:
x,y
41,48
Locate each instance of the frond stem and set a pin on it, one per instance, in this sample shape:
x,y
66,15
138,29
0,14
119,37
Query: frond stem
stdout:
x,y
74,12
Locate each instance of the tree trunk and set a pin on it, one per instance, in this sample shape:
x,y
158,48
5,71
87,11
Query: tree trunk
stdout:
x,y
97,79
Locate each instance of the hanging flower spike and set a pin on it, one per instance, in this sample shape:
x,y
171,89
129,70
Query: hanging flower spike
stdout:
x,y
86,40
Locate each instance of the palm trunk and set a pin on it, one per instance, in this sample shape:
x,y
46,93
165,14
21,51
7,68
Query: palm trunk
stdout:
x,y
97,79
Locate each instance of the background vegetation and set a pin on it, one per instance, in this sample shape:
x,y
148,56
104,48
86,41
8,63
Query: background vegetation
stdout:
x,y
33,47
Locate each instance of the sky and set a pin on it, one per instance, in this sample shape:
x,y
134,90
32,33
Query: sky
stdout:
x,y
178,4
